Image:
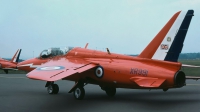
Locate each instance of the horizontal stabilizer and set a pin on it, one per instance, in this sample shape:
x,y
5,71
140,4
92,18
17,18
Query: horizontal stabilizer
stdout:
x,y
190,66
147,81
192,77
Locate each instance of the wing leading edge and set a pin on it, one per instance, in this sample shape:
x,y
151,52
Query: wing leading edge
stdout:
x,y
58,69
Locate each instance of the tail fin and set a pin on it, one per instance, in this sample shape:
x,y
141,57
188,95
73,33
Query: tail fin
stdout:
x,y
168,43
15,58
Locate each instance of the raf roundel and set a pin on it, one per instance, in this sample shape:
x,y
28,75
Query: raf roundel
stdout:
x,y
48,68
99,72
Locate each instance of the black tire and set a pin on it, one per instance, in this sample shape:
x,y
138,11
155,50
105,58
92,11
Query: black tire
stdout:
x,y
6,71
55,89
110,91
79,93
165,89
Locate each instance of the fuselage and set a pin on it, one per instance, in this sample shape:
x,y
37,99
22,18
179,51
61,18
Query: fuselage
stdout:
x,y
119,70
7,64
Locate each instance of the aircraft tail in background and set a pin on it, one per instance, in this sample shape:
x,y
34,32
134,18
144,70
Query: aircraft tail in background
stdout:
x,y
15,58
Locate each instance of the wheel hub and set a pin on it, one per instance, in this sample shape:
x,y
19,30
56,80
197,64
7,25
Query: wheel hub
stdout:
x,y
50,89
77,92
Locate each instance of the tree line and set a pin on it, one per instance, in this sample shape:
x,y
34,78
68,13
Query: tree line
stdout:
x,y
181,56
184,56
189,56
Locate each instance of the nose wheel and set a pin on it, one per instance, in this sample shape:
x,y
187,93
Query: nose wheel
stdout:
x,y
53,89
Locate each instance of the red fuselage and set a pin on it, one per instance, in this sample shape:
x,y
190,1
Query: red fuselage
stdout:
x,y
119,70
7,64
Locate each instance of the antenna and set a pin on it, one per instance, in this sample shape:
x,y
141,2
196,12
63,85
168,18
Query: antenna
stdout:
x,y
86,46
108,50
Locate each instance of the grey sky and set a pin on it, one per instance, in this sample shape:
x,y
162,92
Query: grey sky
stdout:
x,y
124,26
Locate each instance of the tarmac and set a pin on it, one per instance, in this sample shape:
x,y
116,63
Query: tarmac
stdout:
x,y
20,94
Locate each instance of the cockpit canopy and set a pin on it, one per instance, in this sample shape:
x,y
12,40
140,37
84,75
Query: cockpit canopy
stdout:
x,y
52,52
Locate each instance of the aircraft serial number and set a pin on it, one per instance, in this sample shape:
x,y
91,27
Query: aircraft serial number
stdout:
x,y
137,71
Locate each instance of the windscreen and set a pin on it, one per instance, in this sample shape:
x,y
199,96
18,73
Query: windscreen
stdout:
x,y
52,52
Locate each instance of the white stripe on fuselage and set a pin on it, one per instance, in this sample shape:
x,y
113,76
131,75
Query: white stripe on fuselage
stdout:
x,y
30,65
160,54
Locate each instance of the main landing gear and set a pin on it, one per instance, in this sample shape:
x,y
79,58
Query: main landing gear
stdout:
x,y
110,91
52,88
78,89
79,93
165,89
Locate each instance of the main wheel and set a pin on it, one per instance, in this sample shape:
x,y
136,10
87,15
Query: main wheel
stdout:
x,y
165,89
79,93
53,89
99,72
110,91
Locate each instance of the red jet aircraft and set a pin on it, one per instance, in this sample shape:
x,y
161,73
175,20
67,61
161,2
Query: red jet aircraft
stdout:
x,y
12,64
155,68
